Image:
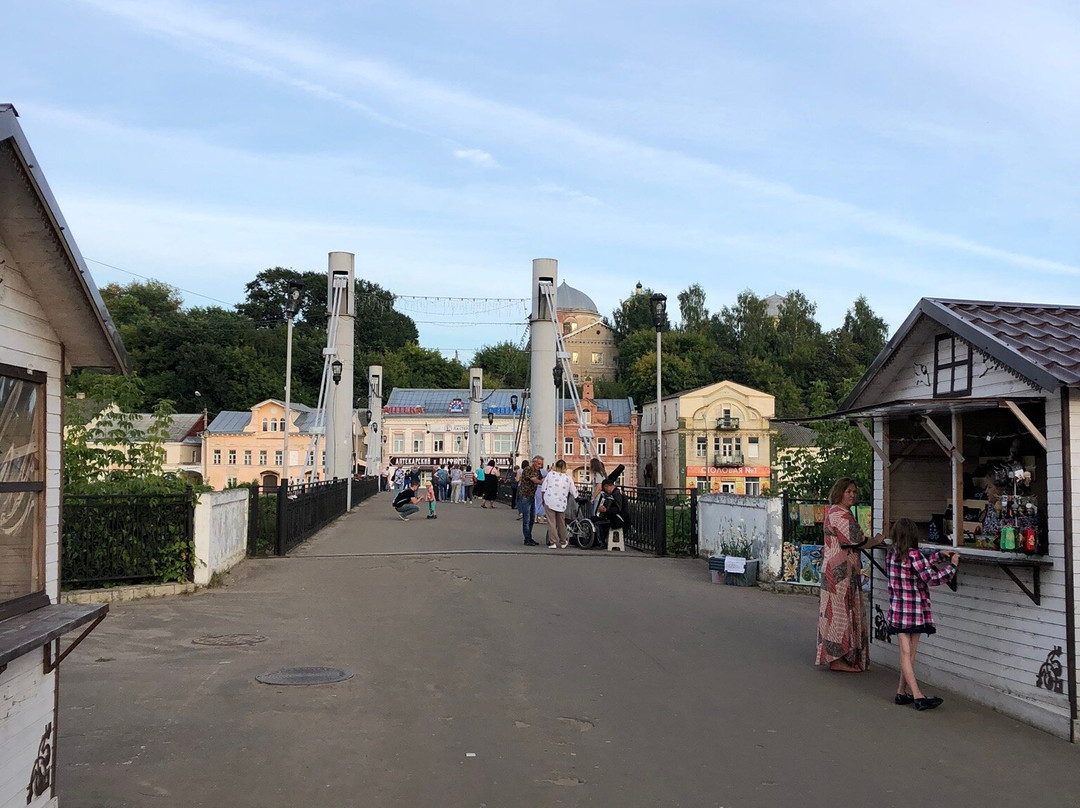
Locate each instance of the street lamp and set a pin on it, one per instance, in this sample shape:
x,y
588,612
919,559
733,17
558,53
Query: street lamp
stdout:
x,y
658,303
513,404
476,429
335,370
293,295
491,418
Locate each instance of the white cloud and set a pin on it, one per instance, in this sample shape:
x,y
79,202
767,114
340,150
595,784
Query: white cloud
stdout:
x,y
478,157
313,67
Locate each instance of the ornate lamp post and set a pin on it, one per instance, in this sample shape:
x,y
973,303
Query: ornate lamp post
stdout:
x,y
292,305
659,312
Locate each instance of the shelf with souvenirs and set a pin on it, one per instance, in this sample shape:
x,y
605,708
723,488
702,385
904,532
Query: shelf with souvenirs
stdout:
x,y
804,539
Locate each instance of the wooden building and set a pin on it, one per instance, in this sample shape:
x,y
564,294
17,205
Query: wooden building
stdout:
x,y
52,320
972,408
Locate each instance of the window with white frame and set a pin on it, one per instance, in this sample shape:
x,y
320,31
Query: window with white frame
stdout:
x,y
753,447
278,457
247,457
418,442
262,457
597,358
702,446
281,425
568,446
601,446
586,417
727,487
952,366
273,425
264,425
399,442
703,485
753,486
230,482
617,449
574,357
232,457
502,443
437,443
459,444
216,457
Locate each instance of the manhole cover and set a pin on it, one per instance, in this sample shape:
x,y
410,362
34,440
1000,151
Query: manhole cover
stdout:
x,y
316,675
230,639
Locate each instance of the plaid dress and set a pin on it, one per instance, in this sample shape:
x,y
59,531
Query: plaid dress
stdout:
x,y
910,579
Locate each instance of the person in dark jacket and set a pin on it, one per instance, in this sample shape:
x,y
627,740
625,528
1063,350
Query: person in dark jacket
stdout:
x,y
406,502
611,510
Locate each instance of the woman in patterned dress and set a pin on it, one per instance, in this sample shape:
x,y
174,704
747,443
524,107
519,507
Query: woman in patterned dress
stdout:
x,y
843,641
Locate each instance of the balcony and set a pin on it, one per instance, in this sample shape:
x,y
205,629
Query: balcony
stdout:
x,y
728,460
727,424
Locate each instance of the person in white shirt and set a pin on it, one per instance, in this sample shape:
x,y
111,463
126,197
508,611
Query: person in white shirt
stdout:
x,y
557,490
455,484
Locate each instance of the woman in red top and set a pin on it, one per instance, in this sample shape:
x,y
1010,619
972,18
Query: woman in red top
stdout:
x,y
843,640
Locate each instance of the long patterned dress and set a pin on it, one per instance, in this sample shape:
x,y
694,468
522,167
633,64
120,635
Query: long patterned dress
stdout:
x,y
842,629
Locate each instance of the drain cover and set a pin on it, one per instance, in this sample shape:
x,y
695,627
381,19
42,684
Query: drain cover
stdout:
x,y
230,639
316,675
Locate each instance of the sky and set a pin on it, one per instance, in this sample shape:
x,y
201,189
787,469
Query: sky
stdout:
x,y
840,147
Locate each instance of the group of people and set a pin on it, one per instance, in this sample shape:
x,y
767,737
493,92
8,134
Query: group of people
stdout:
x,y
550,490
456,484
843,641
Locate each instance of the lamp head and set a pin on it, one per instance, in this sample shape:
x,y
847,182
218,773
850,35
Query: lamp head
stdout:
x,y
491,418
335,370
293,294
658,302
513,403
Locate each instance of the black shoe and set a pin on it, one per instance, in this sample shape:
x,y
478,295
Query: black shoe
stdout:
x,y
531,543
928,703
904,698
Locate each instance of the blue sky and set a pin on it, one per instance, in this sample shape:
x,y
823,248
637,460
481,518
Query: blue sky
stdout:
x,y
845,147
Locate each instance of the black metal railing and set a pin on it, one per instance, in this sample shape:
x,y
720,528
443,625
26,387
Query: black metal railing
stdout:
x,y
119,538
506,488
303,509
262,520
364,488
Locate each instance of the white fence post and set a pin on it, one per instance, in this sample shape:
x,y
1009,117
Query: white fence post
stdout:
x,y
221,526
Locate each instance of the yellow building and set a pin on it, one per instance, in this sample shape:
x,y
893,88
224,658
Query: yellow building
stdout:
x,y
589,340
248,446
182,444
715,439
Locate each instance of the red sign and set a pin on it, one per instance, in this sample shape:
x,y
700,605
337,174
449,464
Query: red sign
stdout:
x,y
734,471
404,410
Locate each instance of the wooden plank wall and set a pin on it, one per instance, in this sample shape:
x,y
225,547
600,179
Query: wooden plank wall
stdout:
x,y
27,695
992,639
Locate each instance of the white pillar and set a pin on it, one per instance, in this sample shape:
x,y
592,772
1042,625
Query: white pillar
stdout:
x,y
375,428
339,421
542,362
475,435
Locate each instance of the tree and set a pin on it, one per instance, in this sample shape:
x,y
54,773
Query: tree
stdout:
x,y
692,308
633,314
504,363
841,452
867,331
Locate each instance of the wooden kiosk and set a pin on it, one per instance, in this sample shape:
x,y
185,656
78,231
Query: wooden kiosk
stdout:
x,y
971,409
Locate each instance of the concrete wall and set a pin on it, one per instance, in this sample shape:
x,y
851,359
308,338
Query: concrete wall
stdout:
x,y
221,526
759,519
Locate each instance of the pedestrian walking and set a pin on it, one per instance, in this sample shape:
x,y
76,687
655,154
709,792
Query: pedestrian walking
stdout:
x,y
455,484
528,485
558,490
468,480
491,485
911,574
478,484
399,479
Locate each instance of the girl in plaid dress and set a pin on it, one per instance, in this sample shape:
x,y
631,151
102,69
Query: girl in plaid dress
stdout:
x,y
911,574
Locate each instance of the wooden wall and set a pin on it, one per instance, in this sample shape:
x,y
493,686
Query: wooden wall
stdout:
x,y
27,695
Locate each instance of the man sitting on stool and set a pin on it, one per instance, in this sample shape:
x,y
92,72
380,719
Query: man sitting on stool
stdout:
x,y
611,512
405,501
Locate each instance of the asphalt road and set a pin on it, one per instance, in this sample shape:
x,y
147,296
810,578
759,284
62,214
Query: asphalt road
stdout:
x,y
498,675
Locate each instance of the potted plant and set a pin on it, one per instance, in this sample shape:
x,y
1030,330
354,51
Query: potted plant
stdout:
x,y
737,544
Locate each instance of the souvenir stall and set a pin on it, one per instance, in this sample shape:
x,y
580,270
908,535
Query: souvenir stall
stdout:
x,y
969,410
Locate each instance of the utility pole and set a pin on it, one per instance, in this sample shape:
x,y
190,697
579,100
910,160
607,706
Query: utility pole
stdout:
x,y
542,437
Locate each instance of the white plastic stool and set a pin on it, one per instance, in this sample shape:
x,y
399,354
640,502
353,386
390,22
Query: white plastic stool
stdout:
x,y
615,539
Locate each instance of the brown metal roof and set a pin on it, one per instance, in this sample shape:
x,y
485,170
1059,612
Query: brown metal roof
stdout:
x,y
1046,336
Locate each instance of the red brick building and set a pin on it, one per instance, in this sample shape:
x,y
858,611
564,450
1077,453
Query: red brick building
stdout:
x,y
614,423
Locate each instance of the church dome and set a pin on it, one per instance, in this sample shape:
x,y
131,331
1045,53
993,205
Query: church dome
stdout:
x,y
570,299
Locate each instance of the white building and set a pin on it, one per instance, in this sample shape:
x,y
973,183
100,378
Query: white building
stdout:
x,y
52,320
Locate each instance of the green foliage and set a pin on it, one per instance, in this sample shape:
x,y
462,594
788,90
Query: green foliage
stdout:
x,y
634,314
504,364
736,540
842,451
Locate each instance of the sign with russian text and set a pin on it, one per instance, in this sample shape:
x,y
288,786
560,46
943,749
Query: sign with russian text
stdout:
x,y
733,471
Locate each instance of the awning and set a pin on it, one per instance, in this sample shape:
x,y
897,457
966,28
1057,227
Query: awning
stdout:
x,y
921,406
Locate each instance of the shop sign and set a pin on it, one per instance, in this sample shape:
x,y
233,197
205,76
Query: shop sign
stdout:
x,y
404,410
456,405
505,411
434,461
733,471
